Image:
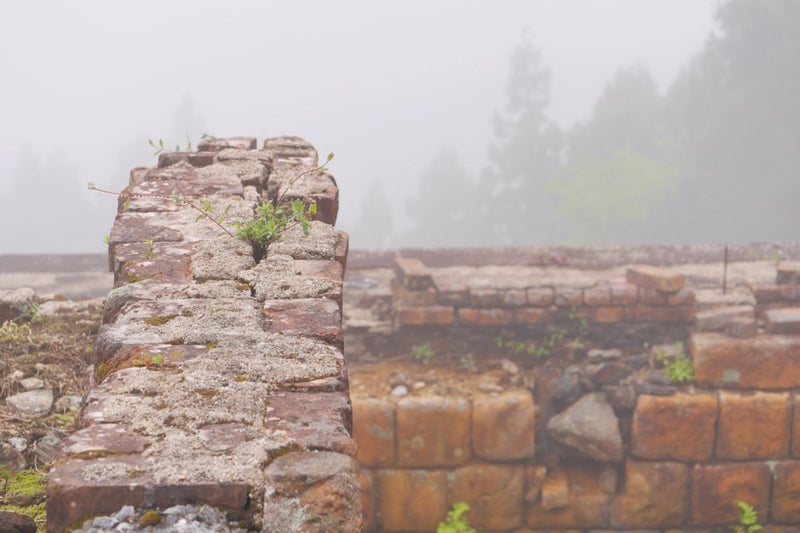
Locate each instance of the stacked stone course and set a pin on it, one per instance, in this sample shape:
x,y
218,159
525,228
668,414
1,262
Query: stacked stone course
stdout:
x,y
220,380
657,458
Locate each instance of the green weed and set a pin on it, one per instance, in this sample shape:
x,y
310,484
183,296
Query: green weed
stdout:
x,y
456,521
677,366
423,353
748,519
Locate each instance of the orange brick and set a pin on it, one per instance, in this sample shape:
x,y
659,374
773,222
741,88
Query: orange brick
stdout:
x,y
502,426
433,431
762,362
494,493
765,292
753,425
597,295
783,321
678,427
624,294
513,298
602,315
678,314
582,512
786,493
796,426
367,484
432,315
485,317
412,273
373,431
412,500
717,488
533,315
484,297
540,296
652,297
413,298
654,496
682,297
569,296
656,278
555,491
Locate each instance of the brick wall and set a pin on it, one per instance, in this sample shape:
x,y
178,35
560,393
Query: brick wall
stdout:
x,y
602,442
219,380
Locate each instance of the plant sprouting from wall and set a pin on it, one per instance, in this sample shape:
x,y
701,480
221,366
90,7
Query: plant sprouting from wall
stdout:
x,y
677,366
748,519
423,353
456,521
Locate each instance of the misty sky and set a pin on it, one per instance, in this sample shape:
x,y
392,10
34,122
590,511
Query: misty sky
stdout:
x,y
384,84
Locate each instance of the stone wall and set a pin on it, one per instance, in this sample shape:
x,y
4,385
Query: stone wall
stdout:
x,y
597,439
219,379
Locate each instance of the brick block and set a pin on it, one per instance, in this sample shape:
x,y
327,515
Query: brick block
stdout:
x,y
788,274
215,145
674,428
484,297
533,315
666,314
453,289
417,502
717,319
741,328
753,425
717,488
657,278
430,315
582,512
316,318
602,315
366,482
655,496
374,431
555,491
765,292
329,270
413,298
785,507
783,321
412,274
485,317
433,431
790,293
569,296
503,426
494,494
513,297
682,297
597,295
652,297
796,425
763,362
540,296
624,293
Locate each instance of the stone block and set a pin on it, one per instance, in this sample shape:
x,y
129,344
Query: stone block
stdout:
x,y
331,271
582,512
763,362
533,315
215,144
765,292
418,499
655,496
534,479
429,315
785,508
513,298
674,428
540,296
624,293
652,277
196,159
718,318
569,297
484,297
753,425
783,321
597,295
659,313
590,427
790,293
412,274
602,315
312,491
788,274
493,492
682,297
503,426
741,328
316,318
373,431
717,488
413,298
649,296
796,425
485,317
366,481
433,431
555,491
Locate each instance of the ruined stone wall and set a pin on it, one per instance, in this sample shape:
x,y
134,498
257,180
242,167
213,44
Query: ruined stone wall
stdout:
x,y
598,439
219,379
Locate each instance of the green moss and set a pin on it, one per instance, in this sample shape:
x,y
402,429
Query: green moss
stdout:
x,y
26,484
37,511
150,518
159,320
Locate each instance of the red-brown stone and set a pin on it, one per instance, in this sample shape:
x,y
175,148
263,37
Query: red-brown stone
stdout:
x,y
657,278
430,315
493,492
485,317
753,425
717,488
433,431
373,431
654,496
503,426
418,500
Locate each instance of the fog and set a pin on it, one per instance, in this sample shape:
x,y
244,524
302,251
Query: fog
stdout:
x,y
414,98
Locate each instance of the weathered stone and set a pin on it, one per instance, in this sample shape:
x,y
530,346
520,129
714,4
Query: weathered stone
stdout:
x,y
11,458
583,512
11,522
783,321
485,317
796,425
316,318
682,297
597,295
14,302
418,501
33,403
620,397
373,431
788,273
590,427
753,425
216,144
494,494
649,296
741,327
569,297
540,296
513,298
717,488
608,373
433,431
502,426
534,479
431,315
567,388
596,355
678,427
785,507
484,297
312,491
532,315
555,491
657,278
366,481
762,362
412,274
46,447
624,293
655,495
31,383
765,292
717,319
413,298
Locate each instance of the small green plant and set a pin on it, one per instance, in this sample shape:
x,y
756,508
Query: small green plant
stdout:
x,y
30,313
556,338
149,360
11,331
423,353
677,366
159,146
148,254
467,364
456,521
748,519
